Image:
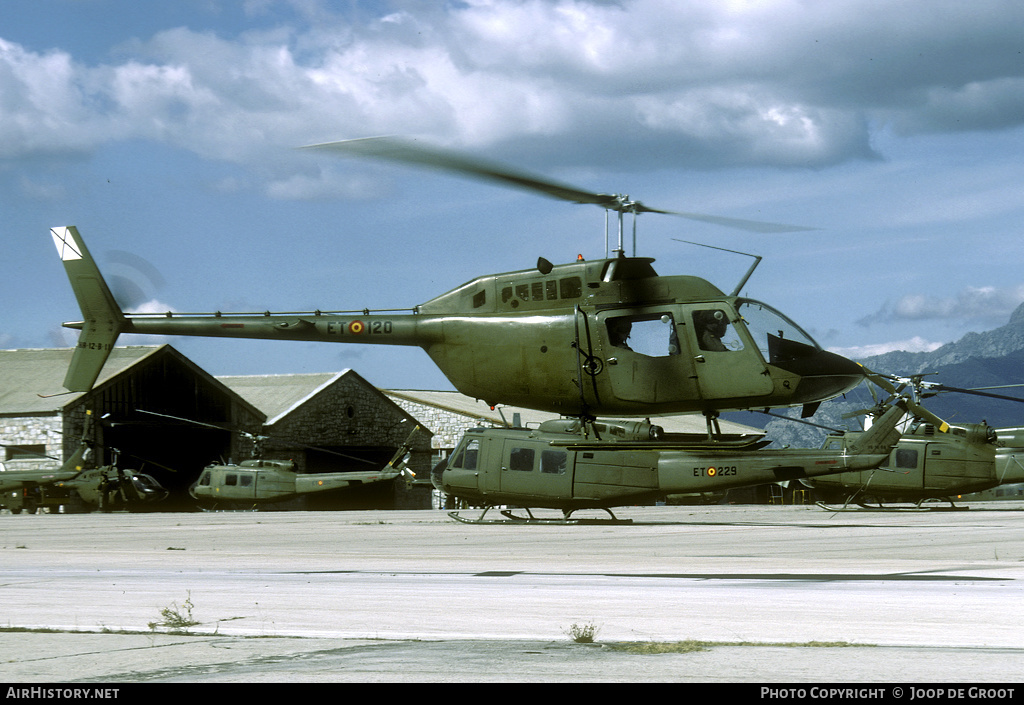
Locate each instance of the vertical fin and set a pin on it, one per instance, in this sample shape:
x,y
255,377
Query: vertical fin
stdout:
x,y
83,453
102,319
883,434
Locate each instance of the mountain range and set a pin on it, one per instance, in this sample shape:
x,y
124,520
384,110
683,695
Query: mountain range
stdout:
x,y
992,358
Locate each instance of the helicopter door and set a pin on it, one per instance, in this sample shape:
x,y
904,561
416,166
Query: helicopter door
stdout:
x,y
238,485
726,360
644,359
535,469
463,468
904,471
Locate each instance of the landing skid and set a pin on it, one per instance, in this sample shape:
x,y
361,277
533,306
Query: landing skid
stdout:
x,y
222,510
918,507
511,518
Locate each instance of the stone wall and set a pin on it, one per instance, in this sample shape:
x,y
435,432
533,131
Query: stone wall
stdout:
x,y
447,426
32,431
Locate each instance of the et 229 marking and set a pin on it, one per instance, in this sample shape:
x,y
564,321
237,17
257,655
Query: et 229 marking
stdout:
x,y
715,471
360,328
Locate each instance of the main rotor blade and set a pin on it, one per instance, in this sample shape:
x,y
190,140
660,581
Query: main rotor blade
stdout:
x,y
753,226
190,421
923,388
278,439
883,381
419,154
408,152
976,392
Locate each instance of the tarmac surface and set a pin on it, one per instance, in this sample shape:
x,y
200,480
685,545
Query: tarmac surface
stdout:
x,y
778,595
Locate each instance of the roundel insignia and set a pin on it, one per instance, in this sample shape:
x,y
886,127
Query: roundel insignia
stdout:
x,y
712,472
356,327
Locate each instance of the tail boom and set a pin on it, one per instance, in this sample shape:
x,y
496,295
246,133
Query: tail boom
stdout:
x,y
103,321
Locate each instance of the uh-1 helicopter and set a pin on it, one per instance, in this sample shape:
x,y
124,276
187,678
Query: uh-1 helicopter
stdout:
x,y
79,484
933,460
606,337
569,465
261,482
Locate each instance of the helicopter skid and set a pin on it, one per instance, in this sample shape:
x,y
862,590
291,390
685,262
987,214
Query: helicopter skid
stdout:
x,y
223,510
511,518
891,508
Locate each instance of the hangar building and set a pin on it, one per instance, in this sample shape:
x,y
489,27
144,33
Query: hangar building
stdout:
x,y
168,417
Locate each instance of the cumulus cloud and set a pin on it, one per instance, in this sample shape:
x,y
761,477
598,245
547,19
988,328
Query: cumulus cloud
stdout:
x,y
703,84
972,303
859,352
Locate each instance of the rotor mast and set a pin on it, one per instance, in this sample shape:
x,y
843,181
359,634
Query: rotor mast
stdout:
x,y
621,204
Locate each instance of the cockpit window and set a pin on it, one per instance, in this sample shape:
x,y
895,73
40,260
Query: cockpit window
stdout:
x,y
466,458
553,462
905,458
147,482
653,336
776,336
521,459
714,331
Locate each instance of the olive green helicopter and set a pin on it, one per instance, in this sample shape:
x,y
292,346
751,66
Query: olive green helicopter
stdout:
x,y
934,461
568,465
79,484
907,454
591,338
260,482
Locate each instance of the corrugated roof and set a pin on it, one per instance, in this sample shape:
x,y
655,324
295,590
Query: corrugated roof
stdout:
x,y
277,395
32,380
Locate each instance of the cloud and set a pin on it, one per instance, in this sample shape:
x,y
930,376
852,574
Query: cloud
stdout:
x,y
37,190
987,303
153,306
321,186
859,352
780,83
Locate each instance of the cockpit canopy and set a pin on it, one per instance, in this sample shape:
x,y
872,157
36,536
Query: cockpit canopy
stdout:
x,y
777,337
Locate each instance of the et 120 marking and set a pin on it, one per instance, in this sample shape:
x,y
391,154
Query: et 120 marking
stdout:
x,y
711,471
360,328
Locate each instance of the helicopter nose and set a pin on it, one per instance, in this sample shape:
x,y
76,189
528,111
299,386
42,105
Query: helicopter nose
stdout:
x,y
823,375
437,475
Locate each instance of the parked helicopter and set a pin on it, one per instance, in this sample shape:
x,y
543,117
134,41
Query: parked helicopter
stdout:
x,y
568,465
75,485
933,460
608,337
27,490
260,481
109,487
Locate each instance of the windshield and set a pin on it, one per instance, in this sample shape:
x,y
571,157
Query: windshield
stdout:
x,y
771,330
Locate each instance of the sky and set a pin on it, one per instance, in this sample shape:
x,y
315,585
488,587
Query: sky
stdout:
x,y
167,132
